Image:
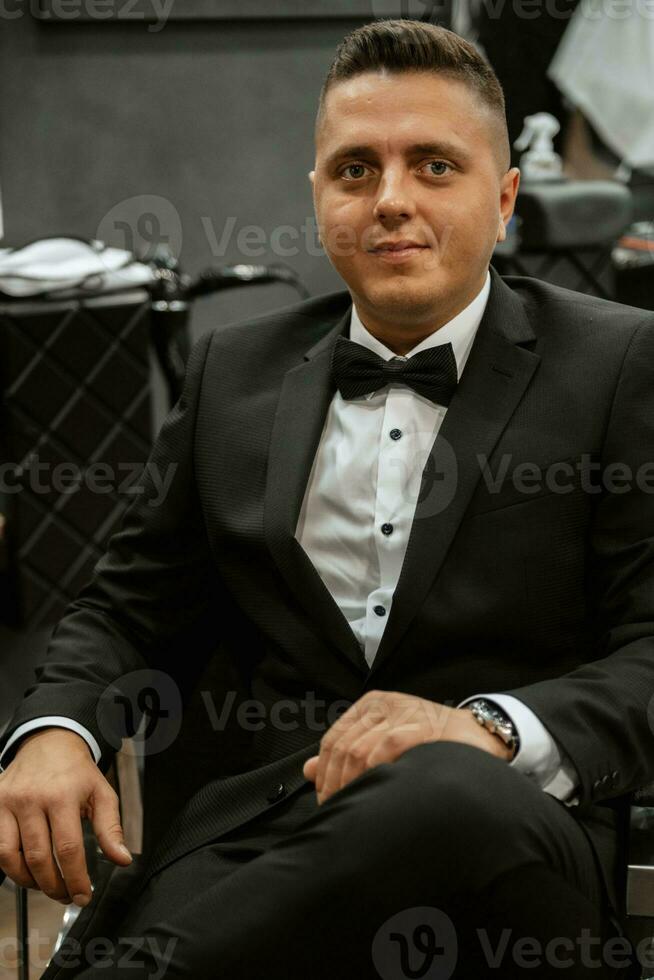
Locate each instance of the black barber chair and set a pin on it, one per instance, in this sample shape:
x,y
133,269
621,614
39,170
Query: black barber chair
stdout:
x,y
564,232
639,898
152,788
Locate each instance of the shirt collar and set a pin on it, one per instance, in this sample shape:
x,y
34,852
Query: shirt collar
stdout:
x,y
460,331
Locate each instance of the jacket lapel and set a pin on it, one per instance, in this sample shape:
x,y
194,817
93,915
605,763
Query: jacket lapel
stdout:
x,y
498,370
302,408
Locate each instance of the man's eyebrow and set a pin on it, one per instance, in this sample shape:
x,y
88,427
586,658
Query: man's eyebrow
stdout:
x,y
436,148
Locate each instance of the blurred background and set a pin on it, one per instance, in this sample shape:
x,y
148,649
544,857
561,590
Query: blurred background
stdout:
x,y
101,115
153,182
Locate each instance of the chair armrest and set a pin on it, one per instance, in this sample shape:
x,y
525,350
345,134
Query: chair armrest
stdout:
x,y
644,796
130,790
640,866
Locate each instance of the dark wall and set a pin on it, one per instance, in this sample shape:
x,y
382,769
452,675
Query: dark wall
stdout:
x,y
198,124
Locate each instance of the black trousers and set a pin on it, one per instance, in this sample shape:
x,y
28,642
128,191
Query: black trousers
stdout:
x,y
446,863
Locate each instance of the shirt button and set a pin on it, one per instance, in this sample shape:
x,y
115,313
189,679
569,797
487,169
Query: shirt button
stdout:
x,y
395,434
380,610
387,528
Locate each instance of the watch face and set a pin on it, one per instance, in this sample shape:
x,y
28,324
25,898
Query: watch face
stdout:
x,y
495,721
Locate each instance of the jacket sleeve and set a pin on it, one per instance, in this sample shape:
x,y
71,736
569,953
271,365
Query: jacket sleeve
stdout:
x,y
602,713
152,601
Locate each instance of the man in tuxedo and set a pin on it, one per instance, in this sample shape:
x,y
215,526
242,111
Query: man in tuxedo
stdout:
x,y
415,518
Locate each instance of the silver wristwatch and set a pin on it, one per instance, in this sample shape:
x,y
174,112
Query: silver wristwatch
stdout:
x,y
492,717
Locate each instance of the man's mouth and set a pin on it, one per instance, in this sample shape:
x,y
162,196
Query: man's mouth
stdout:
x,y
404,245
398,252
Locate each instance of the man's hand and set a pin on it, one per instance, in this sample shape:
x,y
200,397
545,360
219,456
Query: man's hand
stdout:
x,y
51,783
380,727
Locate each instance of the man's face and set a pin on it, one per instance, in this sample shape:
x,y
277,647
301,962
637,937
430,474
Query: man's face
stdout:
x,y
452,198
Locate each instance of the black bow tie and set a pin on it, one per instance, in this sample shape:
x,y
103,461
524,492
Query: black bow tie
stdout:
x,y
357,371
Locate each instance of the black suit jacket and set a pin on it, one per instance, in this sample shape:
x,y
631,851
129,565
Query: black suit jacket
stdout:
x,y
546,595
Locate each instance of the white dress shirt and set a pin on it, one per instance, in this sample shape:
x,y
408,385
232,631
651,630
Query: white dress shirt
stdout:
x,y
356,517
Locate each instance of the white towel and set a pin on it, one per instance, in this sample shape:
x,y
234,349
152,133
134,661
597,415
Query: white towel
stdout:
x,y
68,266
605,66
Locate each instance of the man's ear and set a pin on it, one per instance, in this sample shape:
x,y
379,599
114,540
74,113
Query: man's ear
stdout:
x,y
508,194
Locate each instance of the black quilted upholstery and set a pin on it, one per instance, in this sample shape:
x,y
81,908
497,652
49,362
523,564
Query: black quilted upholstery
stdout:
x,y
76,389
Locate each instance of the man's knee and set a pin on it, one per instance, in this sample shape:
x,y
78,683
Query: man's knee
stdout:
x,y
445,792
460,785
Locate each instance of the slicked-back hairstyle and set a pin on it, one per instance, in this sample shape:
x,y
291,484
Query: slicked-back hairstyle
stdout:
x,y
396,46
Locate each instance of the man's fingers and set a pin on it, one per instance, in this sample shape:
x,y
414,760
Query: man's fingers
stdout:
x,y
68,844
12,861
363,749
38,854
334,757
310,768
339,730
347,758
392,745
356,761
107,826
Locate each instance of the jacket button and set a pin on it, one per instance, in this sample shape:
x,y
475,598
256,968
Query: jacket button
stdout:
x,y
615,774
597,784
606,779
276,793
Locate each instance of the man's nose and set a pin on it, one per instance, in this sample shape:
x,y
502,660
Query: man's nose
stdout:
x,y
394,199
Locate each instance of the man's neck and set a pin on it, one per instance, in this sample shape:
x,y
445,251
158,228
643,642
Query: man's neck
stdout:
x,y
399,340
403,337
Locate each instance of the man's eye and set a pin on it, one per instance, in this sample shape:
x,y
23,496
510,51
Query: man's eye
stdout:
x,y
360,167
352,166
439,163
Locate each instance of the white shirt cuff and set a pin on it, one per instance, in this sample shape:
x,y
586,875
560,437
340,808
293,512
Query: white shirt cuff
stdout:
x,y
61,722
538,757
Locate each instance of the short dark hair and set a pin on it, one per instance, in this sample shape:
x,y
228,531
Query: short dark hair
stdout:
x,y
412,45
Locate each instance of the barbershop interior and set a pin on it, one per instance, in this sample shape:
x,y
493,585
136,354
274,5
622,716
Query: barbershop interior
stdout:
x,y
155,161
